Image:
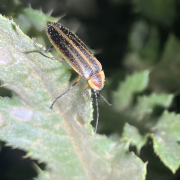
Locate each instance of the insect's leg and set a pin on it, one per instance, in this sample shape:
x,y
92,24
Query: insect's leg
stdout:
x,y
40,50
51,107
86,93
48,49
35,44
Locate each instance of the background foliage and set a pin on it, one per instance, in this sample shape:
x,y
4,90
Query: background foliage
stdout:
x,y
137,43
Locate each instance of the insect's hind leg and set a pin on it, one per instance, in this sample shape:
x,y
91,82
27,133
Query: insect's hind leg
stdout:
x,y
51,107
40,50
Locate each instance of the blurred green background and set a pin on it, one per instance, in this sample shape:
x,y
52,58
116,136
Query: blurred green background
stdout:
x,y
126,36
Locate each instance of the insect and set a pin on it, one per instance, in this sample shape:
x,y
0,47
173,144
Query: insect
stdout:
x,y
75,52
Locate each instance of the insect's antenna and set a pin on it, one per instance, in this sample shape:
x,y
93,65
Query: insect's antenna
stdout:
x,y
104,99
95,92
58,98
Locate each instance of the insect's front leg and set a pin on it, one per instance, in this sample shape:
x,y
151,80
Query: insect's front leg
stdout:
x,y
86,93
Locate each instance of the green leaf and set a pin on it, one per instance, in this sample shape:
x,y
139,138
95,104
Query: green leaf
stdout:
x,y
166,74
144,40
135,83
147,104
138,35
126,159
171,50
36,18
63,137
132,135
166,138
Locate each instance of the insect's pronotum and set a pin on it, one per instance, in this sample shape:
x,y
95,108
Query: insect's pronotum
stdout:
x,y
75,52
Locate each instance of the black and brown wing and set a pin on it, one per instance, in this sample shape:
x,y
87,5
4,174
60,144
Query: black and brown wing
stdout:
x,y
73,50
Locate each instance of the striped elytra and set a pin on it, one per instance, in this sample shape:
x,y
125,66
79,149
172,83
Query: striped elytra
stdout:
x,y
73,50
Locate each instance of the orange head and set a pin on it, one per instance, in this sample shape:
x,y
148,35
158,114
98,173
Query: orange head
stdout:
x,y
96,82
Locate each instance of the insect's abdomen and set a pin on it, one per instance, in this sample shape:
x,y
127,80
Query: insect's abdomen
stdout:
x,y
73,50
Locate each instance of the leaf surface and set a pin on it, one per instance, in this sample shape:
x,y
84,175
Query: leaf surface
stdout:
x,y
63,137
